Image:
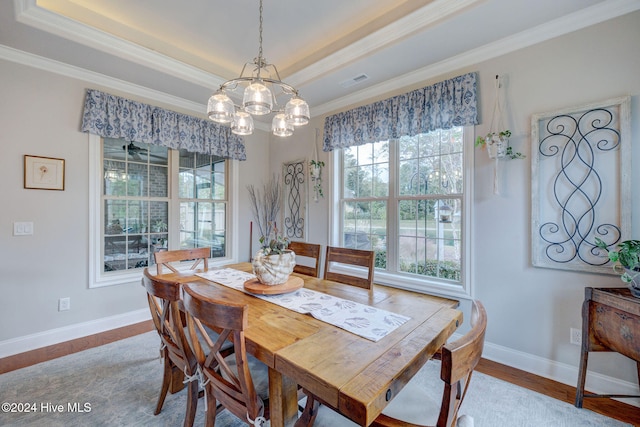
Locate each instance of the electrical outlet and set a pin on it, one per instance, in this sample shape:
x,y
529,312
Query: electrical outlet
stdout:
x,y
575,336
64,304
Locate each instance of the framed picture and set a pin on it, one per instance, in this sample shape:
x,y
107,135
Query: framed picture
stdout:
x,y
43,173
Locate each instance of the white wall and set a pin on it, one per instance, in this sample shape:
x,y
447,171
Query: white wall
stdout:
x,y
530,309
40,114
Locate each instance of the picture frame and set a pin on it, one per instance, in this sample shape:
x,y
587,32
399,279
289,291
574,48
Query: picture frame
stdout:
x,y
43,173
581,184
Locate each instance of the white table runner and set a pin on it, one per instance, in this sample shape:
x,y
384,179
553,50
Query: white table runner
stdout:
x,y
360,319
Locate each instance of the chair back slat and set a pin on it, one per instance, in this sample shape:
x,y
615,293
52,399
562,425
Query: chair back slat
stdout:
x,y
163,297
231,386
356,257
309,250
199,255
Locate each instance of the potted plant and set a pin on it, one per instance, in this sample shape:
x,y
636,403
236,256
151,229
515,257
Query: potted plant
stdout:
x,y
627,262
274,262
497,144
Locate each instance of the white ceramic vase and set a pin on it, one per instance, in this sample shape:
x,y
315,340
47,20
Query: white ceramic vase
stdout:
x,y
497,147
273,269
634,284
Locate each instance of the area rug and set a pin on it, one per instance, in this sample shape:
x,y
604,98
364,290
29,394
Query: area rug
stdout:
x,y
118,384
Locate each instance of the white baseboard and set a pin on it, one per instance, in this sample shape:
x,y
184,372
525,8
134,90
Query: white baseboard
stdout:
x,y
56,336
560,372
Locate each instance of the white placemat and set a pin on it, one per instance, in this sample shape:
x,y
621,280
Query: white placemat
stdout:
x,y
360,319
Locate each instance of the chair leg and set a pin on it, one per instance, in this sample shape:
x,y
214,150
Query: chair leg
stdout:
x,y
166,382
192,403
309,414
212,409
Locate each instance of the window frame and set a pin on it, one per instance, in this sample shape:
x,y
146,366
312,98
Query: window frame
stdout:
x,y
98,278
423,284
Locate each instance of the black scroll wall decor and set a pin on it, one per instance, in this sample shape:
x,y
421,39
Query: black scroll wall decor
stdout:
x,y
295,199
581,172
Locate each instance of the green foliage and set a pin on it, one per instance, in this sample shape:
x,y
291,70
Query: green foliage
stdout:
x,y
274,243
627,256
444,269
482,141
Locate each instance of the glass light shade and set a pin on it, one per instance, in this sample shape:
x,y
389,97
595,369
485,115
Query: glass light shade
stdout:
x,y
242,123
257,99
297,111
280,126
220,108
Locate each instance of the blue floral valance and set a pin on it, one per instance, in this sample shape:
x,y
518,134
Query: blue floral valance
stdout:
x,y
115,117
440,106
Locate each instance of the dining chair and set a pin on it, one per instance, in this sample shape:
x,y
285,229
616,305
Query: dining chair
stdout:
x,y
165,258
357,257
412,407
308,250
164,297
239,382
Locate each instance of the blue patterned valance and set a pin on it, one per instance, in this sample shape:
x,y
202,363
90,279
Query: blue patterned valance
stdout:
x,y
115,117
440,106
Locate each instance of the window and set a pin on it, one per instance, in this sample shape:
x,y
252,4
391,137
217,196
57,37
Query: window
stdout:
x,y
150,198
407,199
203,207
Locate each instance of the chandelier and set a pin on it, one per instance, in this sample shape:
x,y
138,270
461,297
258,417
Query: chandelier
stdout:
x,y
261,83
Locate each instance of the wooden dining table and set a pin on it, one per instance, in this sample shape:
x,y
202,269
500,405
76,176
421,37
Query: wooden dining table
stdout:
x,y
356,375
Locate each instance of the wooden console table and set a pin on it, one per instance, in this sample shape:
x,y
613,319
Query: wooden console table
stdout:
x,y
610,322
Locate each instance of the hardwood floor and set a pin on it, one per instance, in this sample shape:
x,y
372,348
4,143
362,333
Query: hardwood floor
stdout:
x,y
43,354
609,407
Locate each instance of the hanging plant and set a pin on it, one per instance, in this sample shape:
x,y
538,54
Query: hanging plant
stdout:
x,y
497,144
315,169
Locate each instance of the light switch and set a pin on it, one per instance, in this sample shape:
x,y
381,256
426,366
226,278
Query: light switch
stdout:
x,y
23,228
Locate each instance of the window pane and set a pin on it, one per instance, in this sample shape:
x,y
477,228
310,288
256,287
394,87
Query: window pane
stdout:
x,y
203,184
381,180
158,181
203,224
137,180
186,184
187,224
158,155
115,178
428,172
219,179
113,149
159,220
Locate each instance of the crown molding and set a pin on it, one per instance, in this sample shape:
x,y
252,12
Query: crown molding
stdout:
x,y
46,64
400,29
29,13
585,18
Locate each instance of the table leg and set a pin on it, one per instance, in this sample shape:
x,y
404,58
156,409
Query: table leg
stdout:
x,y
283,400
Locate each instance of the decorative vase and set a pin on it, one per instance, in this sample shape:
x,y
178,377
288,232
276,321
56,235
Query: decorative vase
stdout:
x,y
273,269
497,147
634,283
315,171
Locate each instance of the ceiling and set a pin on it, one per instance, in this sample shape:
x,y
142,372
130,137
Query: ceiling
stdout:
x,y
186,49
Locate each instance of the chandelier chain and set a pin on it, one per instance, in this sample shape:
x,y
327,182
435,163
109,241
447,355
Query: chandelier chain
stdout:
x,y
260,58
